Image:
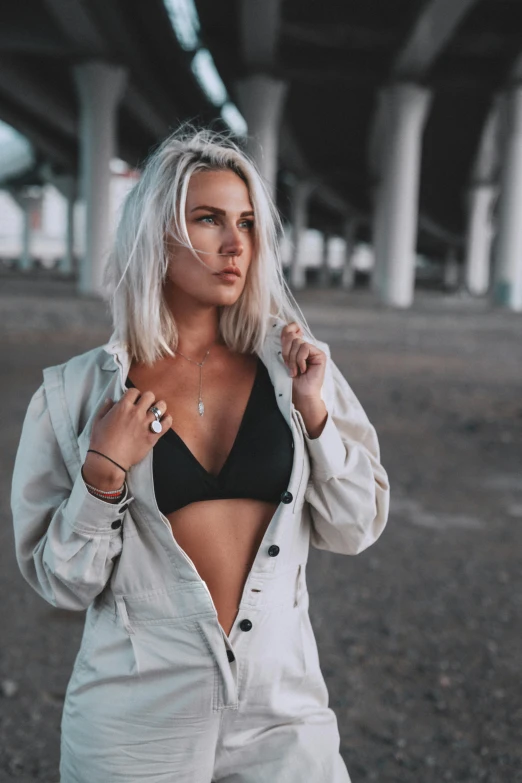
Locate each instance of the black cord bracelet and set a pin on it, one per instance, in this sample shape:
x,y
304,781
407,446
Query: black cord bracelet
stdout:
x,y
106,457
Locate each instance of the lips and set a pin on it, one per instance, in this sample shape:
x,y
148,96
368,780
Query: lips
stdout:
x,y
230,270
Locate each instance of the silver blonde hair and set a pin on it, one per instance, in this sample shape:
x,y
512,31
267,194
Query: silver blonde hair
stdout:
x,y
138,263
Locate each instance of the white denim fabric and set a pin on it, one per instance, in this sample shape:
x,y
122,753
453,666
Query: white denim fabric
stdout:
x,y
159,692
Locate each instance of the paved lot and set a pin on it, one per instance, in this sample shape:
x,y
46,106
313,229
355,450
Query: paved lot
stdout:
x,y
419,636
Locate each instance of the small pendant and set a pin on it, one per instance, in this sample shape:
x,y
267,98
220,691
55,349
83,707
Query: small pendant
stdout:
x,y
201,408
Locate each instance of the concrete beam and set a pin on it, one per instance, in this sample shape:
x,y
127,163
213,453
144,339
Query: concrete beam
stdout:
x,y
431,227
436,24
75,23
42,141
259,24
432,31
78,27
295,161
27,91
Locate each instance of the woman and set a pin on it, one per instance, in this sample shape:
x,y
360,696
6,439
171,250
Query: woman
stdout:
x,y
170,483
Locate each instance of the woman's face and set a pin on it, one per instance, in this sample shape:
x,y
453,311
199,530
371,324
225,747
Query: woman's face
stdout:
x,y
220,222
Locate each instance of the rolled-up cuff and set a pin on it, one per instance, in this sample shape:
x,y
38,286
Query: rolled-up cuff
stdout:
x,y
327,451
92,516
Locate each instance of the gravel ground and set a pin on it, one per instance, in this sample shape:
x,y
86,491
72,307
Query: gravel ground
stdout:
x,y
419,636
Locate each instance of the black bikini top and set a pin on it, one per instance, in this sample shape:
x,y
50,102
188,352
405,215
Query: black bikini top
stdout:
x,y
258,466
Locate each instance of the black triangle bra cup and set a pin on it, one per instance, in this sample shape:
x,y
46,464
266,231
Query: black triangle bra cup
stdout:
x,y
258,465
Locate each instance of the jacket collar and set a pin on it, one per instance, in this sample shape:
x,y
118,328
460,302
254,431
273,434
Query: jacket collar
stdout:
x,y
117,357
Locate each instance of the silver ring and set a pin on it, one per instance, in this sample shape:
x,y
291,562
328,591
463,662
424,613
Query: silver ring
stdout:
x,y
155,426
156,411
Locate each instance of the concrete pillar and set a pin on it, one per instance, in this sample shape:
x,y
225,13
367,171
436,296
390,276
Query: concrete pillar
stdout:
x,y
26,259
100,87
67,187
481,199
324,272
507,288
348,273
261,100
29,204
451,273
397,200
379,256
66,265
301,193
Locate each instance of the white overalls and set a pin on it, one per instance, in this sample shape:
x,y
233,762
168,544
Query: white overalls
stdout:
x,y
158,692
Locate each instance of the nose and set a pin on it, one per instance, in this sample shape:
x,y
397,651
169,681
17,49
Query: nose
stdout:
x,y
231,244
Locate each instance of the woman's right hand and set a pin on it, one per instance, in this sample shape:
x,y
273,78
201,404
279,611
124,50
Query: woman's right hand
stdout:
x,y
122,432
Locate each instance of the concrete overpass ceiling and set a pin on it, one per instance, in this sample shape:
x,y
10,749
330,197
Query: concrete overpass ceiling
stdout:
x,y
41,42
27,27
465,78
337,56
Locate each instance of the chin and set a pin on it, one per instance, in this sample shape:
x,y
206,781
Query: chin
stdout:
x,y
227,301
229,296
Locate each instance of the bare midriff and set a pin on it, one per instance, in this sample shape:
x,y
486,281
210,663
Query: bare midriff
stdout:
x,y
221,536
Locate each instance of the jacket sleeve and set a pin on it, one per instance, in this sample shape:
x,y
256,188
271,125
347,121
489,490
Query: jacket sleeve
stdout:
x,y
66,539
348,490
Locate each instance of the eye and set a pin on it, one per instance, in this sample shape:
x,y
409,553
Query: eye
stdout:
x,y
206,217
248,224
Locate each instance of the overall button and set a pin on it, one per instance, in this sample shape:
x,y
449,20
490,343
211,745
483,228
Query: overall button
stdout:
x,y
245,625
124,508
116,524
286,497
230,655
273,550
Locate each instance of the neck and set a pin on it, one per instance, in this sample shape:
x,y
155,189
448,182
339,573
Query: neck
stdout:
x,y
198,326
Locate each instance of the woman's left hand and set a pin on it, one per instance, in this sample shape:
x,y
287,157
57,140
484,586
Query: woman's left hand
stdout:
x,y
306,363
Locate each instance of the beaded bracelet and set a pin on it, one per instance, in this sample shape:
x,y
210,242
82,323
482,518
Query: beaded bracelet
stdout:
x,y
103,494
106,496
106,493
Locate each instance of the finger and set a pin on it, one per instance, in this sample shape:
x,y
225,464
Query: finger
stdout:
x,y
161,405
145,401
301,357
315,356
286,344
166,424
130,396
289,333
105,408
292,357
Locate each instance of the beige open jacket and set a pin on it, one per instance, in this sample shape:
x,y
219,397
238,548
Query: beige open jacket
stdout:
x,y
71,547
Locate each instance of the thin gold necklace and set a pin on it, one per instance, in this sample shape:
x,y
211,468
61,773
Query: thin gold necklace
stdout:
x,y
201,407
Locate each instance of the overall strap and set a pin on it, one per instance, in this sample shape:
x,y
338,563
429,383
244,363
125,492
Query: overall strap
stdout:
x,y
60,418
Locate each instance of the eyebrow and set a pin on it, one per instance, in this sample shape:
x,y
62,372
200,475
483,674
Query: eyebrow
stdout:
x,y
220,211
